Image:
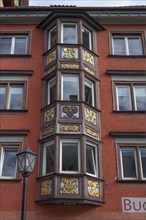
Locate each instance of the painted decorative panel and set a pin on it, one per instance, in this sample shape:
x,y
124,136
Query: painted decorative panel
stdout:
x,y
88,57
69,186
46,187
51,57
70,53
88,70
70,128
90,116
49,115
70,111
93,189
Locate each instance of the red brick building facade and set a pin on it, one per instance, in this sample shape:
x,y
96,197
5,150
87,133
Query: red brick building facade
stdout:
x,y
73,89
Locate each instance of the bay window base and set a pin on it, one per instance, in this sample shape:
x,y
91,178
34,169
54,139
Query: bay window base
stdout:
x,y
70,189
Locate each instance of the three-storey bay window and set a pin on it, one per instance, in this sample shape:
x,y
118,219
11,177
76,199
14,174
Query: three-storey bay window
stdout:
x,y
91,159
133,162
14,44
127,45
89,92
70,156
51,90
69,33
70,87
131,97
86,38
12,96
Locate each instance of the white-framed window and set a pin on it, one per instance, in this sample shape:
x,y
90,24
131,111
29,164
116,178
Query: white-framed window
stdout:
x,y
12,96
86,38
126,45
131,97
14,44
133,162
91,159
70,156
70,87
8,160
48,158
69,33
89,92
51,90
52,37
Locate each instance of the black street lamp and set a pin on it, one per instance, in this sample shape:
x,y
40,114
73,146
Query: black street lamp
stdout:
x,y
26,161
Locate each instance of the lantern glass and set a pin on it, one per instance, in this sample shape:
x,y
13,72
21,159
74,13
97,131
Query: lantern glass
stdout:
x,y
26,161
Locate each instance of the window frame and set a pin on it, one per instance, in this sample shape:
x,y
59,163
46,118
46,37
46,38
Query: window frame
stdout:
x,y
62,87
79,155
49,87
13,37
62,32
8,146
90,38
45,146
8,85
92,90
132,85
96,158
49,37
138,162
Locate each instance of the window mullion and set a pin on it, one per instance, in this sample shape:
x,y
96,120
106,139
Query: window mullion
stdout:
x,y
126,46
139,162
12,45
8,92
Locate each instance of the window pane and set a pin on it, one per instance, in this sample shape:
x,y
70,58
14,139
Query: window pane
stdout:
x,y
51,91
49,159
70,156
134,45
89,92
69,34
70,88
86,38
52,37
129,166
5,45
2,96
91,160
9,163
143,160
20,45
119,46
140,98
16,97
124,99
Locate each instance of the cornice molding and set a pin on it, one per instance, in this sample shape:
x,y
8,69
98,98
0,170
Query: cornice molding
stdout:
x,y
126,72
128,134
14,132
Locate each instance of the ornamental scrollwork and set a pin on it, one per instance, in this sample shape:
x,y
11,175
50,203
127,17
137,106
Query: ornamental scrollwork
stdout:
x,y
92,133
49,115
70,128
70,111
46,187
88,58
69,66
90,116
89,71
93,189
70,53
47,131
51,57
69,186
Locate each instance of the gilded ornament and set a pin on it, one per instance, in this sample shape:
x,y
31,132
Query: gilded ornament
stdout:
x,y
92,133
51,57
93,189
90,116
89,71
49,115
88,57
70,111
69,66
69,186
46,187
70,128
47,131
50,70
70,53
